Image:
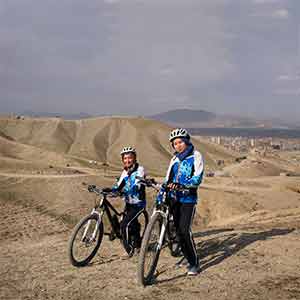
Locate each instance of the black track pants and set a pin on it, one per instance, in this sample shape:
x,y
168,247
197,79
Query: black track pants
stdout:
x,y
183,214
130,227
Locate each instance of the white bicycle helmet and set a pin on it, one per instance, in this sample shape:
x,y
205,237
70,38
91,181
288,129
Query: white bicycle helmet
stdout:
x,y
128,149
178,133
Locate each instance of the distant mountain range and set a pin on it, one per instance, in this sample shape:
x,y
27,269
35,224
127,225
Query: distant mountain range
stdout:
x,y
188,118
77,116
181,116
200,118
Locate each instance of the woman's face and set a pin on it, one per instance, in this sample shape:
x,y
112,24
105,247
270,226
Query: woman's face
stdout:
x,y
179,145
128,160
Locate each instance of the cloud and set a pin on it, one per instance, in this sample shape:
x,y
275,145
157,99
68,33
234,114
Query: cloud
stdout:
x,y
288,77
284,77
179,100
167,70
275,9
267,1
111,1
125,56
288,91
280,14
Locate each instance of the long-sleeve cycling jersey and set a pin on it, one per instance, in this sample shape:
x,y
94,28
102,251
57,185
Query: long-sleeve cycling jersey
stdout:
x,y
188,173
134,192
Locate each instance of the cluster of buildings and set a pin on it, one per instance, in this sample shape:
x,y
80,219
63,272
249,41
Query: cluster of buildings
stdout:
x,y
248,144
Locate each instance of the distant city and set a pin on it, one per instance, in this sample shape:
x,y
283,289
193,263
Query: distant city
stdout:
x,y
255,144
248,132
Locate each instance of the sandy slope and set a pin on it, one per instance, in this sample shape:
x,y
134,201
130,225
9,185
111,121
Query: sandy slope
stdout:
x,y
98,139
250,254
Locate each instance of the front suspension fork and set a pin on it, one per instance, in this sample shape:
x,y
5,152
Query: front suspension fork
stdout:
x,y
93,237
163,229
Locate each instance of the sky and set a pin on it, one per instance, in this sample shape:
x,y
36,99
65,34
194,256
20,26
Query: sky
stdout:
x,y
140,57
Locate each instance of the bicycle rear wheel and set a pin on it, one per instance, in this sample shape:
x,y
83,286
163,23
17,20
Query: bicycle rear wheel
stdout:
x,y
150,250
85,240
143,220
172,240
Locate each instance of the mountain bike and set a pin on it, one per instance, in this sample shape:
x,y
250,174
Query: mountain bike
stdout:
x,y
160,233
87,235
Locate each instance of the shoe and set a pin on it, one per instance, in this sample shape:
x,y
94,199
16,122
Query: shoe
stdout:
x,y
193,270
131,252
176,252
182,263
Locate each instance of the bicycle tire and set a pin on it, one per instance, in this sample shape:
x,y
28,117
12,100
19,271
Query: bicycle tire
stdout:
x,y
99,236
145,279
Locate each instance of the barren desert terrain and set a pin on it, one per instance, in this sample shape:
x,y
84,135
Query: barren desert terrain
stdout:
x,y
247,225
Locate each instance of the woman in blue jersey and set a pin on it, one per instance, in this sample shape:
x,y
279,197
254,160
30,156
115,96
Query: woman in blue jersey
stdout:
x,y
135,199
186,171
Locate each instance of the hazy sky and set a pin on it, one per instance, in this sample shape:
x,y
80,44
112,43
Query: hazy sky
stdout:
x,y
147,56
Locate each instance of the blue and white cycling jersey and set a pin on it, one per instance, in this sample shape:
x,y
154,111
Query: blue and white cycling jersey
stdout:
x,y
134,192
188,173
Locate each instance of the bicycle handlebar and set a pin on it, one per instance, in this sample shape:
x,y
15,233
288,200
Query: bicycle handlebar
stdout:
x,y
151,182
93,189
148,182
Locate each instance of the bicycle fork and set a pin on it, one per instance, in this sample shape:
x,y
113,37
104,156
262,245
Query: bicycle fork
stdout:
x,y
93,237
163,229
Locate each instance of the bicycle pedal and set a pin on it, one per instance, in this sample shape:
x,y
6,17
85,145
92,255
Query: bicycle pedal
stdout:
x,y
112,236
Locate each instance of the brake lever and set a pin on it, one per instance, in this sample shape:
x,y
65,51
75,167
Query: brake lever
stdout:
x,y
177,189
115,195
91,188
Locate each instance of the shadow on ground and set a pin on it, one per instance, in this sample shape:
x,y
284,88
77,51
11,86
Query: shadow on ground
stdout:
x,y
215,250
220,248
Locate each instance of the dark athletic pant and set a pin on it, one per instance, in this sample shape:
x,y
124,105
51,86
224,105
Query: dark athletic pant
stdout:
x,y
130,227
183,214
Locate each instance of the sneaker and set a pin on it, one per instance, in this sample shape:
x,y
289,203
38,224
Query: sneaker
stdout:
x,y
176,250
193,270
131,252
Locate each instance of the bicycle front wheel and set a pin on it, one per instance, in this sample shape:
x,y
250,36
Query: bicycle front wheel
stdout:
x,y
85,240
150,250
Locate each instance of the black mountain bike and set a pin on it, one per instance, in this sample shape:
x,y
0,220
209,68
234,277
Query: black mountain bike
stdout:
x,y
87,235
160,233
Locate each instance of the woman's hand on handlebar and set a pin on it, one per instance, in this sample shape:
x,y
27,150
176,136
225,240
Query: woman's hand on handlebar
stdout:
x,y
174,186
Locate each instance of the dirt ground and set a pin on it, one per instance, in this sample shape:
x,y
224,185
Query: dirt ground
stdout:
x,y
246,228
255,255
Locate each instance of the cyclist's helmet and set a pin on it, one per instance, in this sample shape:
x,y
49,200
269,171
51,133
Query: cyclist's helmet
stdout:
x,y
178,133
127,150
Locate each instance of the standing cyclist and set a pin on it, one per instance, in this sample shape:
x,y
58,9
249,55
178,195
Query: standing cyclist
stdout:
x,y
185,171
135,199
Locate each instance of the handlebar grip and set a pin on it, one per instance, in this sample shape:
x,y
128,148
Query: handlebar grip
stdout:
x,y
91,188
146,181
178,188
152,181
